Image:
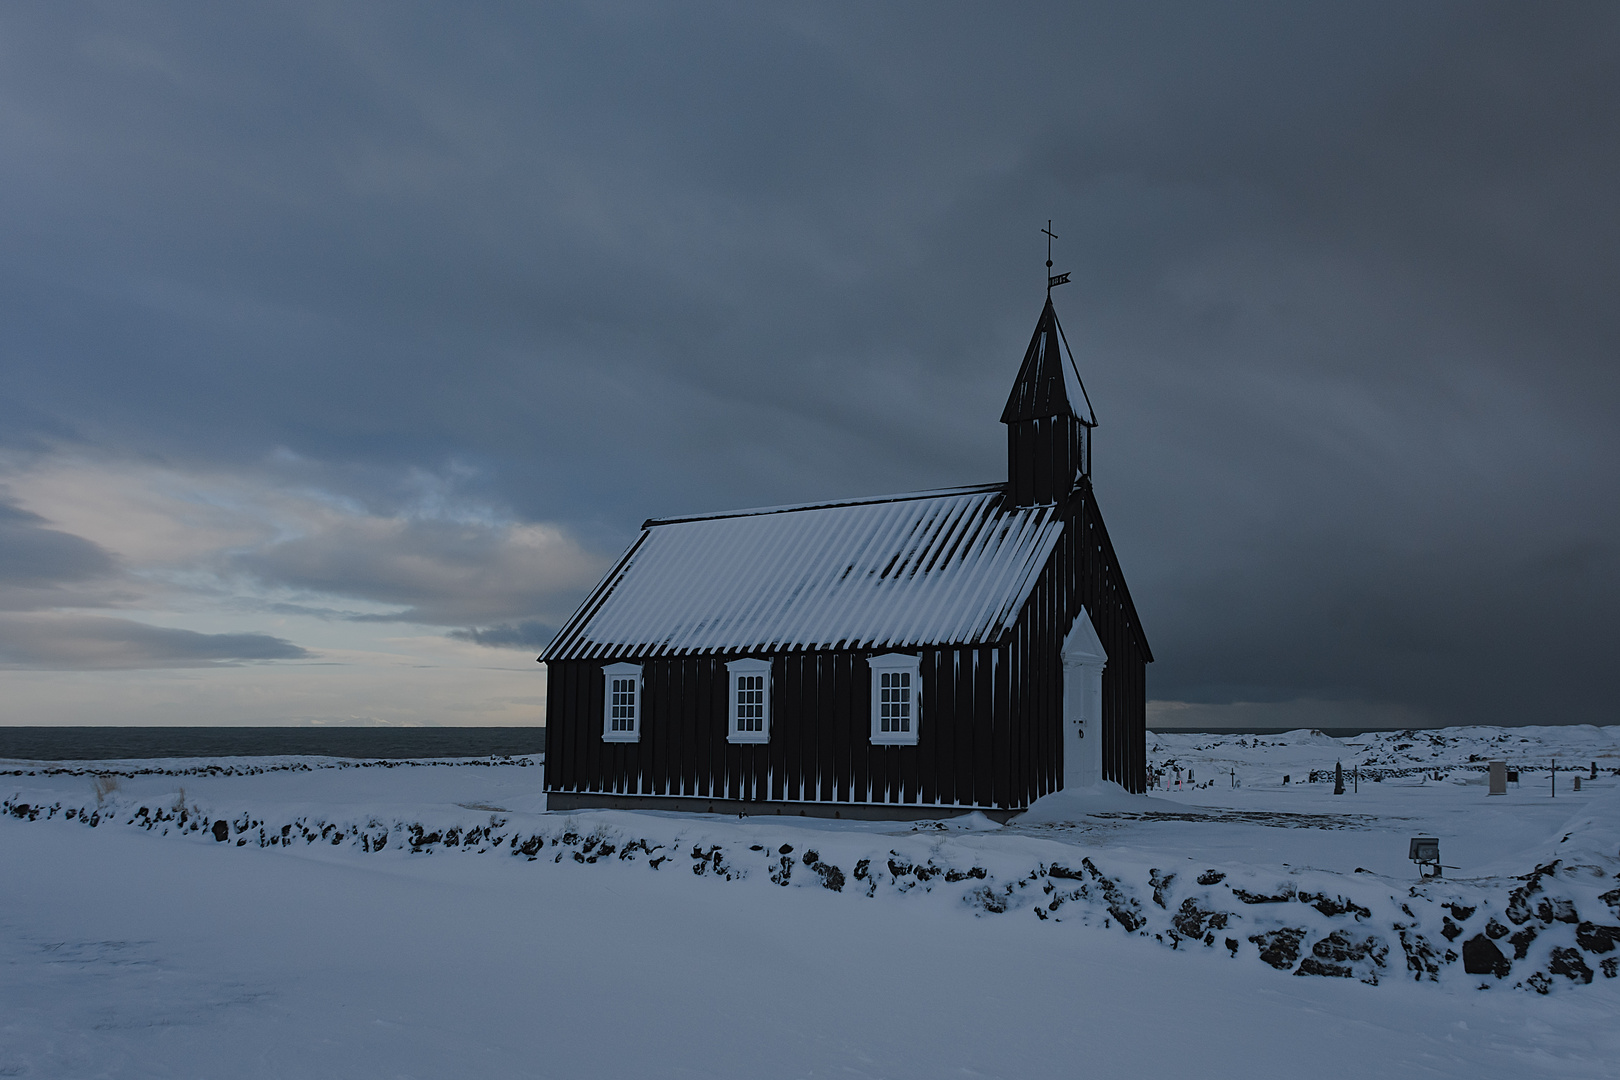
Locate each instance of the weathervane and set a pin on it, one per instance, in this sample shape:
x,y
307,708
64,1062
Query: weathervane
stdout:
x,y
1051,280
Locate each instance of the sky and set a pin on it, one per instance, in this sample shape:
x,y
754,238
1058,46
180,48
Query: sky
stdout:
x,y
343,346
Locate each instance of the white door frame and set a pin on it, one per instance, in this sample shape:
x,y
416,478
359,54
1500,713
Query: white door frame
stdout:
x,y
1084,659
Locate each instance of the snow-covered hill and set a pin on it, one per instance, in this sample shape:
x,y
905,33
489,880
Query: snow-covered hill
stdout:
x,y
1460,755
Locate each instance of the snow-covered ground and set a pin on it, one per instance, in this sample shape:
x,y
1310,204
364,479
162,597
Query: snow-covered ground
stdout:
x,y
431,919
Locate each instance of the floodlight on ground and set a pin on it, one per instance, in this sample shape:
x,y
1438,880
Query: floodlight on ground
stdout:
x,y
1425,851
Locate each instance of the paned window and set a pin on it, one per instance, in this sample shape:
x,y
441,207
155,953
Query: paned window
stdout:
x,y
896,699
621,703
750,701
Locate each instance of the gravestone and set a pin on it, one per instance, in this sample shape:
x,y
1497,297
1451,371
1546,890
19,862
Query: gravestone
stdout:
x,y
1499,778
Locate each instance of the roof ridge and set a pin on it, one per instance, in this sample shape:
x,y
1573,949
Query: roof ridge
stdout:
x,y
904,496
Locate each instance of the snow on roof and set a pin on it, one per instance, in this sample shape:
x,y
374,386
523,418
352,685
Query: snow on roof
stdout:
x,y
935,567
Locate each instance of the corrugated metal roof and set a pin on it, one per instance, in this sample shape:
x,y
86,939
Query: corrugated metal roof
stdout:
x,y
947,567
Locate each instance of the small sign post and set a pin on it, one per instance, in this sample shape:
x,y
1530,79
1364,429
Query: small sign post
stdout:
x,y
1498,778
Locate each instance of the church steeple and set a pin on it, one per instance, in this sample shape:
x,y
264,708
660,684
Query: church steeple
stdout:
x,y
1048,438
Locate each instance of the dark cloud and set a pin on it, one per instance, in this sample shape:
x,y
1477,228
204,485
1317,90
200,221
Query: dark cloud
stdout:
x,y
41,567
434,571
528,635
95,642
33,555
1343,294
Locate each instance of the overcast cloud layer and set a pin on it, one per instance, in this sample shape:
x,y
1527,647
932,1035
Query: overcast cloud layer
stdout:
x,y
342,346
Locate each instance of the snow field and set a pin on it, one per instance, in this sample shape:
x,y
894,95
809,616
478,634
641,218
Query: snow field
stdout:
x,y
1094,930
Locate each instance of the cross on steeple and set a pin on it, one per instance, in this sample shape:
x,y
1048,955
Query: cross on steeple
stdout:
x,y
1060,279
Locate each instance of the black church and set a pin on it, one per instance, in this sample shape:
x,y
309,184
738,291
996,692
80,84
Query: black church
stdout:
x,y
909,656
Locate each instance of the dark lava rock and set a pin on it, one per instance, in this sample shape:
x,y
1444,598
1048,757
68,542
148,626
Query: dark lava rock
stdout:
x,y
1539,982
831,876
1421,959
1480,956
1194,922
1280,948
1211,877
1568,962
1450,929
1521,942
1560,910
1612,898
1160,882
1341,947
1334,905
1494,930
1519,911
1282,896
1611,967
1460,913
221,830
1313,966
1597,939
984,896
1121,906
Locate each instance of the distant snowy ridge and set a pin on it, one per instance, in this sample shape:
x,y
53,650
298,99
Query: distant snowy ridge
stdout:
x,y
1552,925
1308,756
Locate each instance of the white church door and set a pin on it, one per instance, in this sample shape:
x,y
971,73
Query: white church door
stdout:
x,y
1083,661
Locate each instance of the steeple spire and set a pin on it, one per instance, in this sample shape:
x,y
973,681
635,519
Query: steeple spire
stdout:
x,y
1049,419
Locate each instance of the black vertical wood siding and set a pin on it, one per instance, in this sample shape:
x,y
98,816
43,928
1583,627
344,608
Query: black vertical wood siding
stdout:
x,y
990,732
1083,571
1044,454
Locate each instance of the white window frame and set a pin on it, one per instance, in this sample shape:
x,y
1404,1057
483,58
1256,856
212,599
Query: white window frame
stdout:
x,y
896,664
610,673
739,670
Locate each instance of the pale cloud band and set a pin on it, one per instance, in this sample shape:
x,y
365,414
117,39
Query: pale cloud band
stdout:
x,y
116,565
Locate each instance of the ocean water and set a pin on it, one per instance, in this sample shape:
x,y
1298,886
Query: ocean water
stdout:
x,y
102,743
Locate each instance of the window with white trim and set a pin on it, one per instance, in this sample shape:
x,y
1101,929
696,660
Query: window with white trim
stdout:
x,y
896,699
750,701
621,703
